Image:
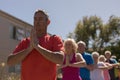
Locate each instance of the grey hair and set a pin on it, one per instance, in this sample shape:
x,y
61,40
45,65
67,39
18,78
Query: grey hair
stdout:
x,y
95,53
107,52
81,42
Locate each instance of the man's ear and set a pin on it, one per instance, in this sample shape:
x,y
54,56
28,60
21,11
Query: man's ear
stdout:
x,y
48,22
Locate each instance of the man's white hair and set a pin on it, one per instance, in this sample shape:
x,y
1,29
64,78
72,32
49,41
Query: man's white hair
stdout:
x,y
95,54
107,52
81,42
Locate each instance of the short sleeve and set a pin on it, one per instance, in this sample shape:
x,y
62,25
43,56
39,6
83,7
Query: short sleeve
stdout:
x,y
22,45
89,60
114,61
57,43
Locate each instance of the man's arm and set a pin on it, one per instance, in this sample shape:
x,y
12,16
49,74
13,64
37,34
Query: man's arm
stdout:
x,y
17,57
90,66
90,63
55,57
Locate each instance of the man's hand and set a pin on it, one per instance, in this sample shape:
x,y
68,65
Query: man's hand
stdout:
x,y
33,39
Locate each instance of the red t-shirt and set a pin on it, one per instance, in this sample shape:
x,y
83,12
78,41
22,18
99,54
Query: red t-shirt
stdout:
x,y
35,66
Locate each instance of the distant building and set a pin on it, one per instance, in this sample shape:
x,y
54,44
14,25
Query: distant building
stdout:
x,y
12,30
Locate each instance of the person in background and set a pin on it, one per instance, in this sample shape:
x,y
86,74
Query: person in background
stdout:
x,y
72,61
119,69
85,71
113,62
98,72
109,66
116,67
39,53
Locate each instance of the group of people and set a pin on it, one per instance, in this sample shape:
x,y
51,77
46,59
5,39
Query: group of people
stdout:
x,y
42,54
92,66
104,67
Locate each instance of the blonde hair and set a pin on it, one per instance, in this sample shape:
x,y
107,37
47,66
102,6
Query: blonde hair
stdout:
x,y
73,43
102,58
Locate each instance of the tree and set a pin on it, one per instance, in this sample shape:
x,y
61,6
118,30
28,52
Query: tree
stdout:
x,y
86,30
92,30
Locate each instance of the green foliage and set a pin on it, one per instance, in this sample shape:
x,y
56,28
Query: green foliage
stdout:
x,y
114,50
102,36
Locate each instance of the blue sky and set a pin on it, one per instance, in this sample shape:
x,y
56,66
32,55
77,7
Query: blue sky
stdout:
x,y
64,14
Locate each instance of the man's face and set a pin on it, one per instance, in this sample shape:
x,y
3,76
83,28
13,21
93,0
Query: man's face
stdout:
x,y
40,22
81,48
107,55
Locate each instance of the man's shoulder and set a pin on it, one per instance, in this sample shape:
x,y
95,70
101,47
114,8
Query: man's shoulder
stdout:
x,y
56,42
113,60
87,54
25,40
88,58
55,37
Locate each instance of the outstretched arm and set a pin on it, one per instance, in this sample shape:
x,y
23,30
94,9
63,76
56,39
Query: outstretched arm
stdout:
x,y
20,54
55,57
17,57
80,61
